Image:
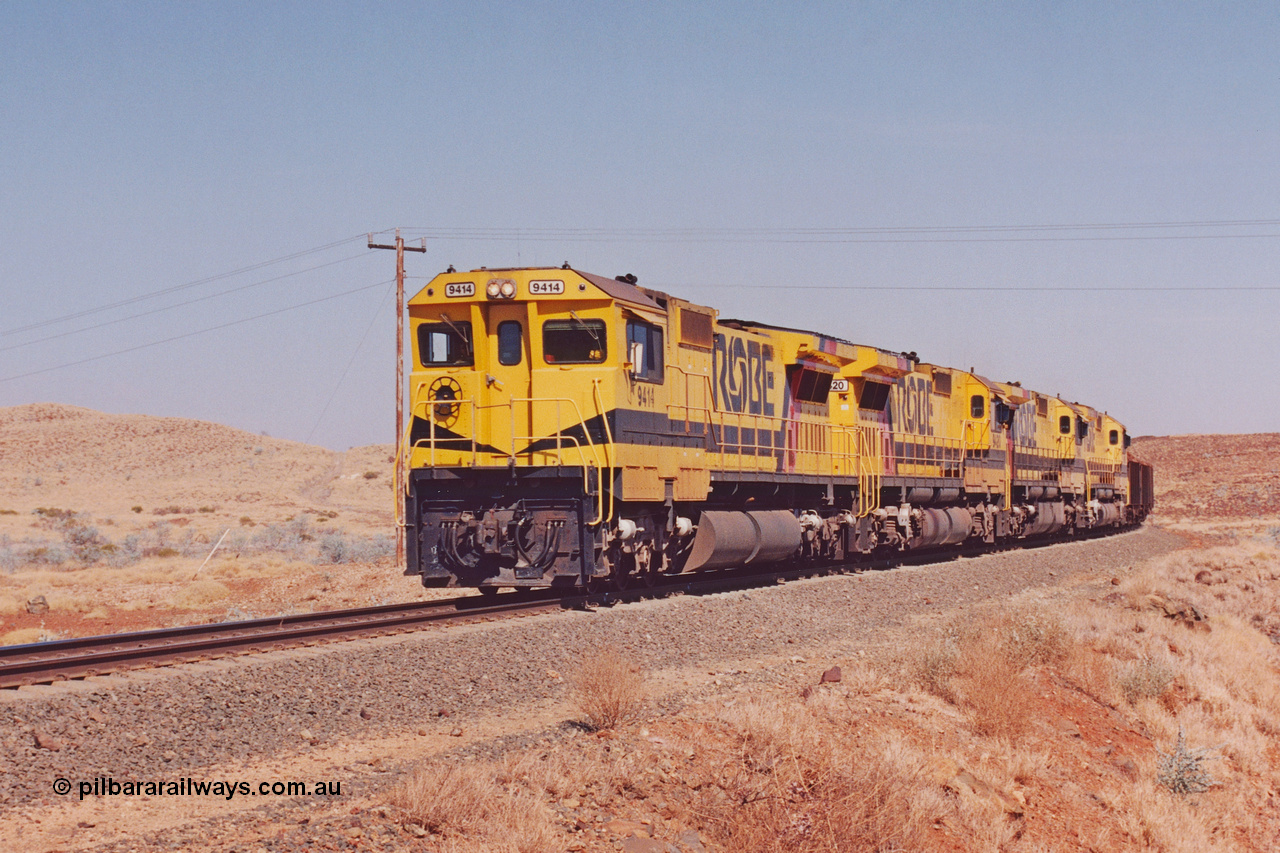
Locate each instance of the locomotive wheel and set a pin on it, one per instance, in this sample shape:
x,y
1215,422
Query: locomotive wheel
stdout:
x,y
626,573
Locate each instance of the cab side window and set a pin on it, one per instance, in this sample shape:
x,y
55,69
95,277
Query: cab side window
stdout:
x,y
644,351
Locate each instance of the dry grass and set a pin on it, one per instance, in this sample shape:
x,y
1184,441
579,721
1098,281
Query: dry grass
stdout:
x,y
11,601
609,689
200,594
795,785
993,692
465,805
22,636
934,665
979,665
1144,679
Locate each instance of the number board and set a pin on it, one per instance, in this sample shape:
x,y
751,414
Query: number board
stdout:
x,y
546,287
839,385
454,289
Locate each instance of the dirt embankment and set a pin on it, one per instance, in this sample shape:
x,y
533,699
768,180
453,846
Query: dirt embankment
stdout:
x,y
1216,486
106,522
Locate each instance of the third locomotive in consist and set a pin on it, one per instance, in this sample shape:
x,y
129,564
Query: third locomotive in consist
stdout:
x,y
568,429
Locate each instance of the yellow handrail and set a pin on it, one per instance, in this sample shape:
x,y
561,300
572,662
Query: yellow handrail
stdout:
x,y
563,442
608,436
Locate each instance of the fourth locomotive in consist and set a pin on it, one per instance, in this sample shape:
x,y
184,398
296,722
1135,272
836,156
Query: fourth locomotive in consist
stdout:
x,y
568,430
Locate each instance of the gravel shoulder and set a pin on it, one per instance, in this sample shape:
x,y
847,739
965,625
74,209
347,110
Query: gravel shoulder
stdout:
x,y
362,712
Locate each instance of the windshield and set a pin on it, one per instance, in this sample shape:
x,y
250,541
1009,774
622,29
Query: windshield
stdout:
x,y
573,341
441,344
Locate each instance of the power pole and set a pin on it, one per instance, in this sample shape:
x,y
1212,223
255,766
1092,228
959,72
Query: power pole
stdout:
x,y
400,248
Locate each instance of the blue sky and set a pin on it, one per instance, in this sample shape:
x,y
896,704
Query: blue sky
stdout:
x,y
148,146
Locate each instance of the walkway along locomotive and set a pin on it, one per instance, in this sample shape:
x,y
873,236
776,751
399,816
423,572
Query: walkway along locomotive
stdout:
x,y
568,429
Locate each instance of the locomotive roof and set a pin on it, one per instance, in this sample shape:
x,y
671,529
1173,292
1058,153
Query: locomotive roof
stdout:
x,y
758,325
621,290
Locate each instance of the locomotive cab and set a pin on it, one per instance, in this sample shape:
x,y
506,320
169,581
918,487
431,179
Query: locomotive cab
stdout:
x,y
513,391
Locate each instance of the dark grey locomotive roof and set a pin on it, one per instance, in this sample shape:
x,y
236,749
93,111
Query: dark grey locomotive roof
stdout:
x,y
620,290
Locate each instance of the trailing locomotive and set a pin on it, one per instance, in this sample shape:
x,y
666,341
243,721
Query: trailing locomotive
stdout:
x,y
568,430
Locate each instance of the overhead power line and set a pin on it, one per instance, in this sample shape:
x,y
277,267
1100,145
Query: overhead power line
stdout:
x,y
976,288
177,288
342,378
177,305
1067,232
196,332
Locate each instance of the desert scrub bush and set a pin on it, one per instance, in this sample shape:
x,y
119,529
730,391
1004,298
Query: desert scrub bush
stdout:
x,y
81,540
235,613
1144,679
86,544
335,546
1182,771
128,552
609,689
46,554
290,538
370,475
1033,637
10,556
464,803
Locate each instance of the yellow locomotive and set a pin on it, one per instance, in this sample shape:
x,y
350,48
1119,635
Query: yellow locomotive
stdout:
x,y
568,429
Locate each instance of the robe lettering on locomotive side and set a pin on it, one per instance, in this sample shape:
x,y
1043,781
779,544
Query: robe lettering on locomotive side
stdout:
x,y
911,406
743,371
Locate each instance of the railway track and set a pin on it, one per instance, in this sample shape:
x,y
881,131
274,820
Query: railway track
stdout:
x,y
81,657
41,663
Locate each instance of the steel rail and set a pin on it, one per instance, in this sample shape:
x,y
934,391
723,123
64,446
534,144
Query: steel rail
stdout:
x,y
40,663
80,657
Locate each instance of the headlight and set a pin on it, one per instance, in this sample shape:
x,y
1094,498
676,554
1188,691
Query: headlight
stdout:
x,y
501,288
